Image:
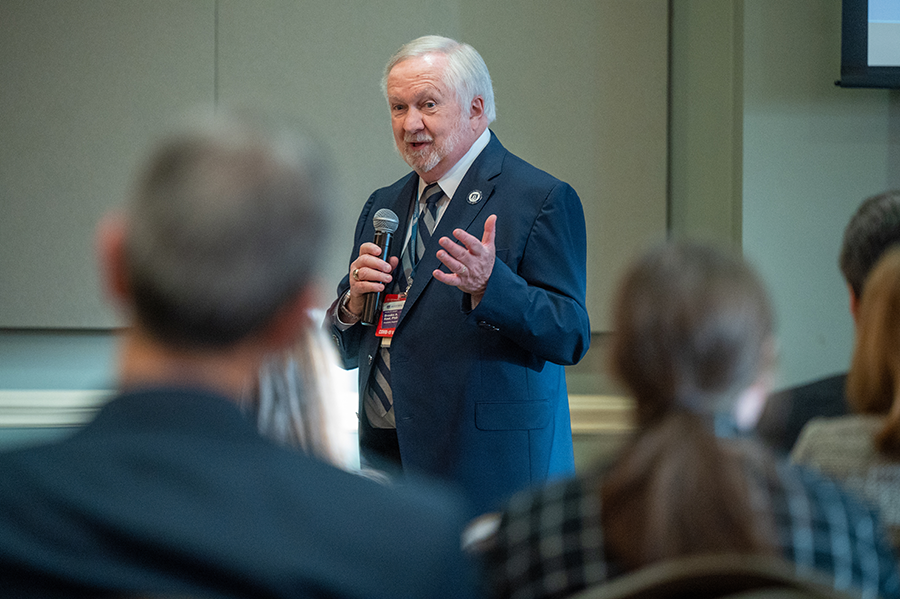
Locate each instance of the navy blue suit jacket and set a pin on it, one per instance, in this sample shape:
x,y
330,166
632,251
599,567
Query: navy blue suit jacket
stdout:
x,y
480,395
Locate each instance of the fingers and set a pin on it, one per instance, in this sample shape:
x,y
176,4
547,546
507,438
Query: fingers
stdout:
x,y
370,250
470,276
490,230
470,243
370,259
451,279
471,263
452,256
452,249
369,272
473,244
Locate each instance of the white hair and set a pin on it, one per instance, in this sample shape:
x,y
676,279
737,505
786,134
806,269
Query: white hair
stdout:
x,y
466,73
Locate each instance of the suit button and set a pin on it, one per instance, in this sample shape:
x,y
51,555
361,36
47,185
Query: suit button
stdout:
x,y
486,325
370,359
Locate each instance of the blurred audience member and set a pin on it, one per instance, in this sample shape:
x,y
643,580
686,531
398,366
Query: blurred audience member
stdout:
x,y
170,491
693,345
863,450
873,228
295,400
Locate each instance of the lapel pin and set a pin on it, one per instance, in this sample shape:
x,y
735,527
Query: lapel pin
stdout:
x,y
474,197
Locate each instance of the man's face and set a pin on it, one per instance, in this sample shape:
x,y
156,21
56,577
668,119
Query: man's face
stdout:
x,y
431,130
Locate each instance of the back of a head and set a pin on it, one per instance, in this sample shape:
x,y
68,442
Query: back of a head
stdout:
x,y
873,383
692,331
874,227
466,73
224,228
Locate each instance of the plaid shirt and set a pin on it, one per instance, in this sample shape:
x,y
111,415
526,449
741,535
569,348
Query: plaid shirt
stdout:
x,y
550,540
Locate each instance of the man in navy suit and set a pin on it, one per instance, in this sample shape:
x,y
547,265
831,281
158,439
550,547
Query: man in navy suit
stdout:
x,y
171,491
484,288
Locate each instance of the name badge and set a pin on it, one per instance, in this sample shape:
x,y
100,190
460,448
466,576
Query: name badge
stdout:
x,y
390,316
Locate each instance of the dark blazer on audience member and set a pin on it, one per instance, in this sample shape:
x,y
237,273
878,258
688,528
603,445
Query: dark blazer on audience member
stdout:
x,y
173,493
480,395
787,411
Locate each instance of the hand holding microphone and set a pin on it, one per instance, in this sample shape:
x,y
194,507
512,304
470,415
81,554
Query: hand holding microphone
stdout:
x,y
371,271
385,222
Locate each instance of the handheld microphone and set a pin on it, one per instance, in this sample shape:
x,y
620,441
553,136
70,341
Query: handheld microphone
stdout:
x,y
386,222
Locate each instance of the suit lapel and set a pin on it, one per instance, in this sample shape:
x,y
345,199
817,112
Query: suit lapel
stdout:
x,y
401,207
471,197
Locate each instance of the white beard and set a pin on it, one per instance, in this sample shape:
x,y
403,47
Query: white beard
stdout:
x,y
425,160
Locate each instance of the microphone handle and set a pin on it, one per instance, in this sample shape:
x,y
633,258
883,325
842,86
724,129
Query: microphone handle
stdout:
x,y
375,299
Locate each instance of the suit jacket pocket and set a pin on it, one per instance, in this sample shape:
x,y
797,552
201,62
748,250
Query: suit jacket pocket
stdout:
x,y
512,415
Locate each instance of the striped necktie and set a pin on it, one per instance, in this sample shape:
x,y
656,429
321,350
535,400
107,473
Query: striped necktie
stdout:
x,y
422,229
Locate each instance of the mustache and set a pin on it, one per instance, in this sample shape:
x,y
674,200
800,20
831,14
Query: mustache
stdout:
x,y
417,138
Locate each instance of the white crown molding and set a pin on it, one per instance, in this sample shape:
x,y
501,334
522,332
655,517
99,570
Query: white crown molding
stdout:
x,y
598,414
591,414
41,408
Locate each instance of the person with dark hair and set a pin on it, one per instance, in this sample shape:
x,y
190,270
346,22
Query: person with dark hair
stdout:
x,y
463,378
862,450
170,490
874,227
693,345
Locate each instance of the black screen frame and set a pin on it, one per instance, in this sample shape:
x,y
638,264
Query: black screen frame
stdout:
x,y
855,69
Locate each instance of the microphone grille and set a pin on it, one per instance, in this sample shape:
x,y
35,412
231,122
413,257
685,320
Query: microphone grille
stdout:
x,y
385,221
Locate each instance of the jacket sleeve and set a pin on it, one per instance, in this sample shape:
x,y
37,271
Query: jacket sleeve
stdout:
x,y
347,340
541,304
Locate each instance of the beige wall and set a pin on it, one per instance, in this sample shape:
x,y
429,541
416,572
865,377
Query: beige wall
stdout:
x,y
706,109
85,85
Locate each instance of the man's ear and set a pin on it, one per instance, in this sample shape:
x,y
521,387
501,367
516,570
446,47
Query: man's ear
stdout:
x,y
476,108
110,247
288,323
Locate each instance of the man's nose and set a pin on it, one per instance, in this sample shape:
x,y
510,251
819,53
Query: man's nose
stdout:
x,y
413,121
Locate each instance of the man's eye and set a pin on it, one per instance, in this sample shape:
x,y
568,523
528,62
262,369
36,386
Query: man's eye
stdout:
x,y
430,104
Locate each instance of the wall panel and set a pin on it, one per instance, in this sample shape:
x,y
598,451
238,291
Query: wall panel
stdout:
x,y
84,85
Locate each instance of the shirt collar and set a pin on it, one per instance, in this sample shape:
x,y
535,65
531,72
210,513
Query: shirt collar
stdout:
x,y
452,178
